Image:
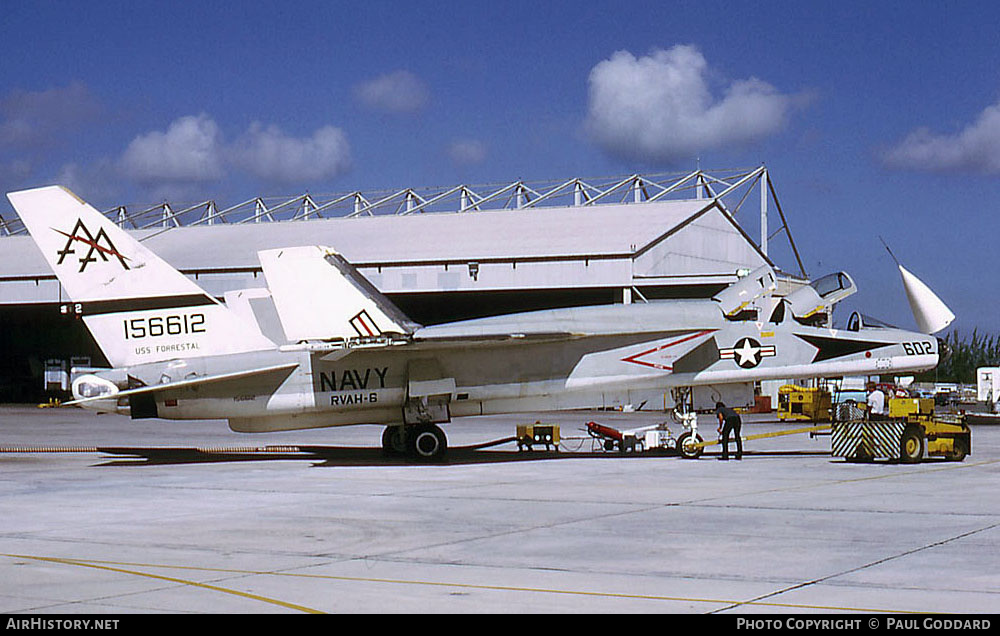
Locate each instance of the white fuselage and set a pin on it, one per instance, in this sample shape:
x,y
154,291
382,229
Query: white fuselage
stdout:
x,y
559,359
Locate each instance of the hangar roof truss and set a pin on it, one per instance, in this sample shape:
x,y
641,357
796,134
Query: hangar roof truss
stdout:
x,y
728,190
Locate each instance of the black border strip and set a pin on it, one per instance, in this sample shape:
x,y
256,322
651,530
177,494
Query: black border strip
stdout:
x,y
120,305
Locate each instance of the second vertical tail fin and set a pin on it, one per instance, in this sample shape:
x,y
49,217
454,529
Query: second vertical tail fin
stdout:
x,y
320,296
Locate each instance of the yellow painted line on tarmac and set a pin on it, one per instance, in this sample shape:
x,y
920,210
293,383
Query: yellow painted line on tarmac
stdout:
x,y
106,565
215,588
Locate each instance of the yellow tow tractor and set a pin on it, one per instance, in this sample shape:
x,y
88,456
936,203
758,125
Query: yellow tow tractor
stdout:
x,y
940,436
911,431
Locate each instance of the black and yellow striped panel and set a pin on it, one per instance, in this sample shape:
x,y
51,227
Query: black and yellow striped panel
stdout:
x,y
867,439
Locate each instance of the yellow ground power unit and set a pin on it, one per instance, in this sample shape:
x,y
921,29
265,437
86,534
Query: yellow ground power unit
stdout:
x,y
529,435
803,404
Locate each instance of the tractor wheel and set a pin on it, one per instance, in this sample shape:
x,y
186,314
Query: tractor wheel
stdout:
x,y
911,446
959,450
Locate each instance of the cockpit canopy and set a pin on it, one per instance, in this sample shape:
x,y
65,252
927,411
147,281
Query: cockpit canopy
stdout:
x,y
738,296
859,321
812,303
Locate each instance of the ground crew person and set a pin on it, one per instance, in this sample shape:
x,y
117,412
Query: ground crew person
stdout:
x,y
729,422
876,403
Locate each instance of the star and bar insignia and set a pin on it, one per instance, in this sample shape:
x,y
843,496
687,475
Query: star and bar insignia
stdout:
x,y
748,352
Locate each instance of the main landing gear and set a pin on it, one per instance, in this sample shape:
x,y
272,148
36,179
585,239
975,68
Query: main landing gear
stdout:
x,y
422,442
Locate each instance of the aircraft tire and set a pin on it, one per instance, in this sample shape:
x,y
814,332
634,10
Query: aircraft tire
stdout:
x,y
393,441
685,445
911,446
426,443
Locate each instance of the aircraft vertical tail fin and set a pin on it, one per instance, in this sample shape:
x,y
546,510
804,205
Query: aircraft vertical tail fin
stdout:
x,y
136,305
321,296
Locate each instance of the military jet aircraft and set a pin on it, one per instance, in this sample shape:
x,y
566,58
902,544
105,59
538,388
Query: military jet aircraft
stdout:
x,y
322,347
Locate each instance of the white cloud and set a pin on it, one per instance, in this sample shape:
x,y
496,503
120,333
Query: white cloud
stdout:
x,y
189,151
268,153
976,148
467,152
192,151
396,92
659,108
30,118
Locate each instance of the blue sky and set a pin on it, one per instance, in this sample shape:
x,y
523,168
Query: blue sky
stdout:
x,y
875,119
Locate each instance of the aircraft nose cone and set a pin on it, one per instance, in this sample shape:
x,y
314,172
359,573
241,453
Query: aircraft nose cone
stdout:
x,y
944,351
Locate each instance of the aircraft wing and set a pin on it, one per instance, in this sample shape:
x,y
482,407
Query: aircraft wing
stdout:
x,y
510,337
334,351
511,329
181,384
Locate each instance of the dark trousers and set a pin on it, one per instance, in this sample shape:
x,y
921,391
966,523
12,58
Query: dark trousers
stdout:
x,y
732,425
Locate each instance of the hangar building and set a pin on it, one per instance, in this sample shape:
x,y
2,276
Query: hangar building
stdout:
x,y
439,254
